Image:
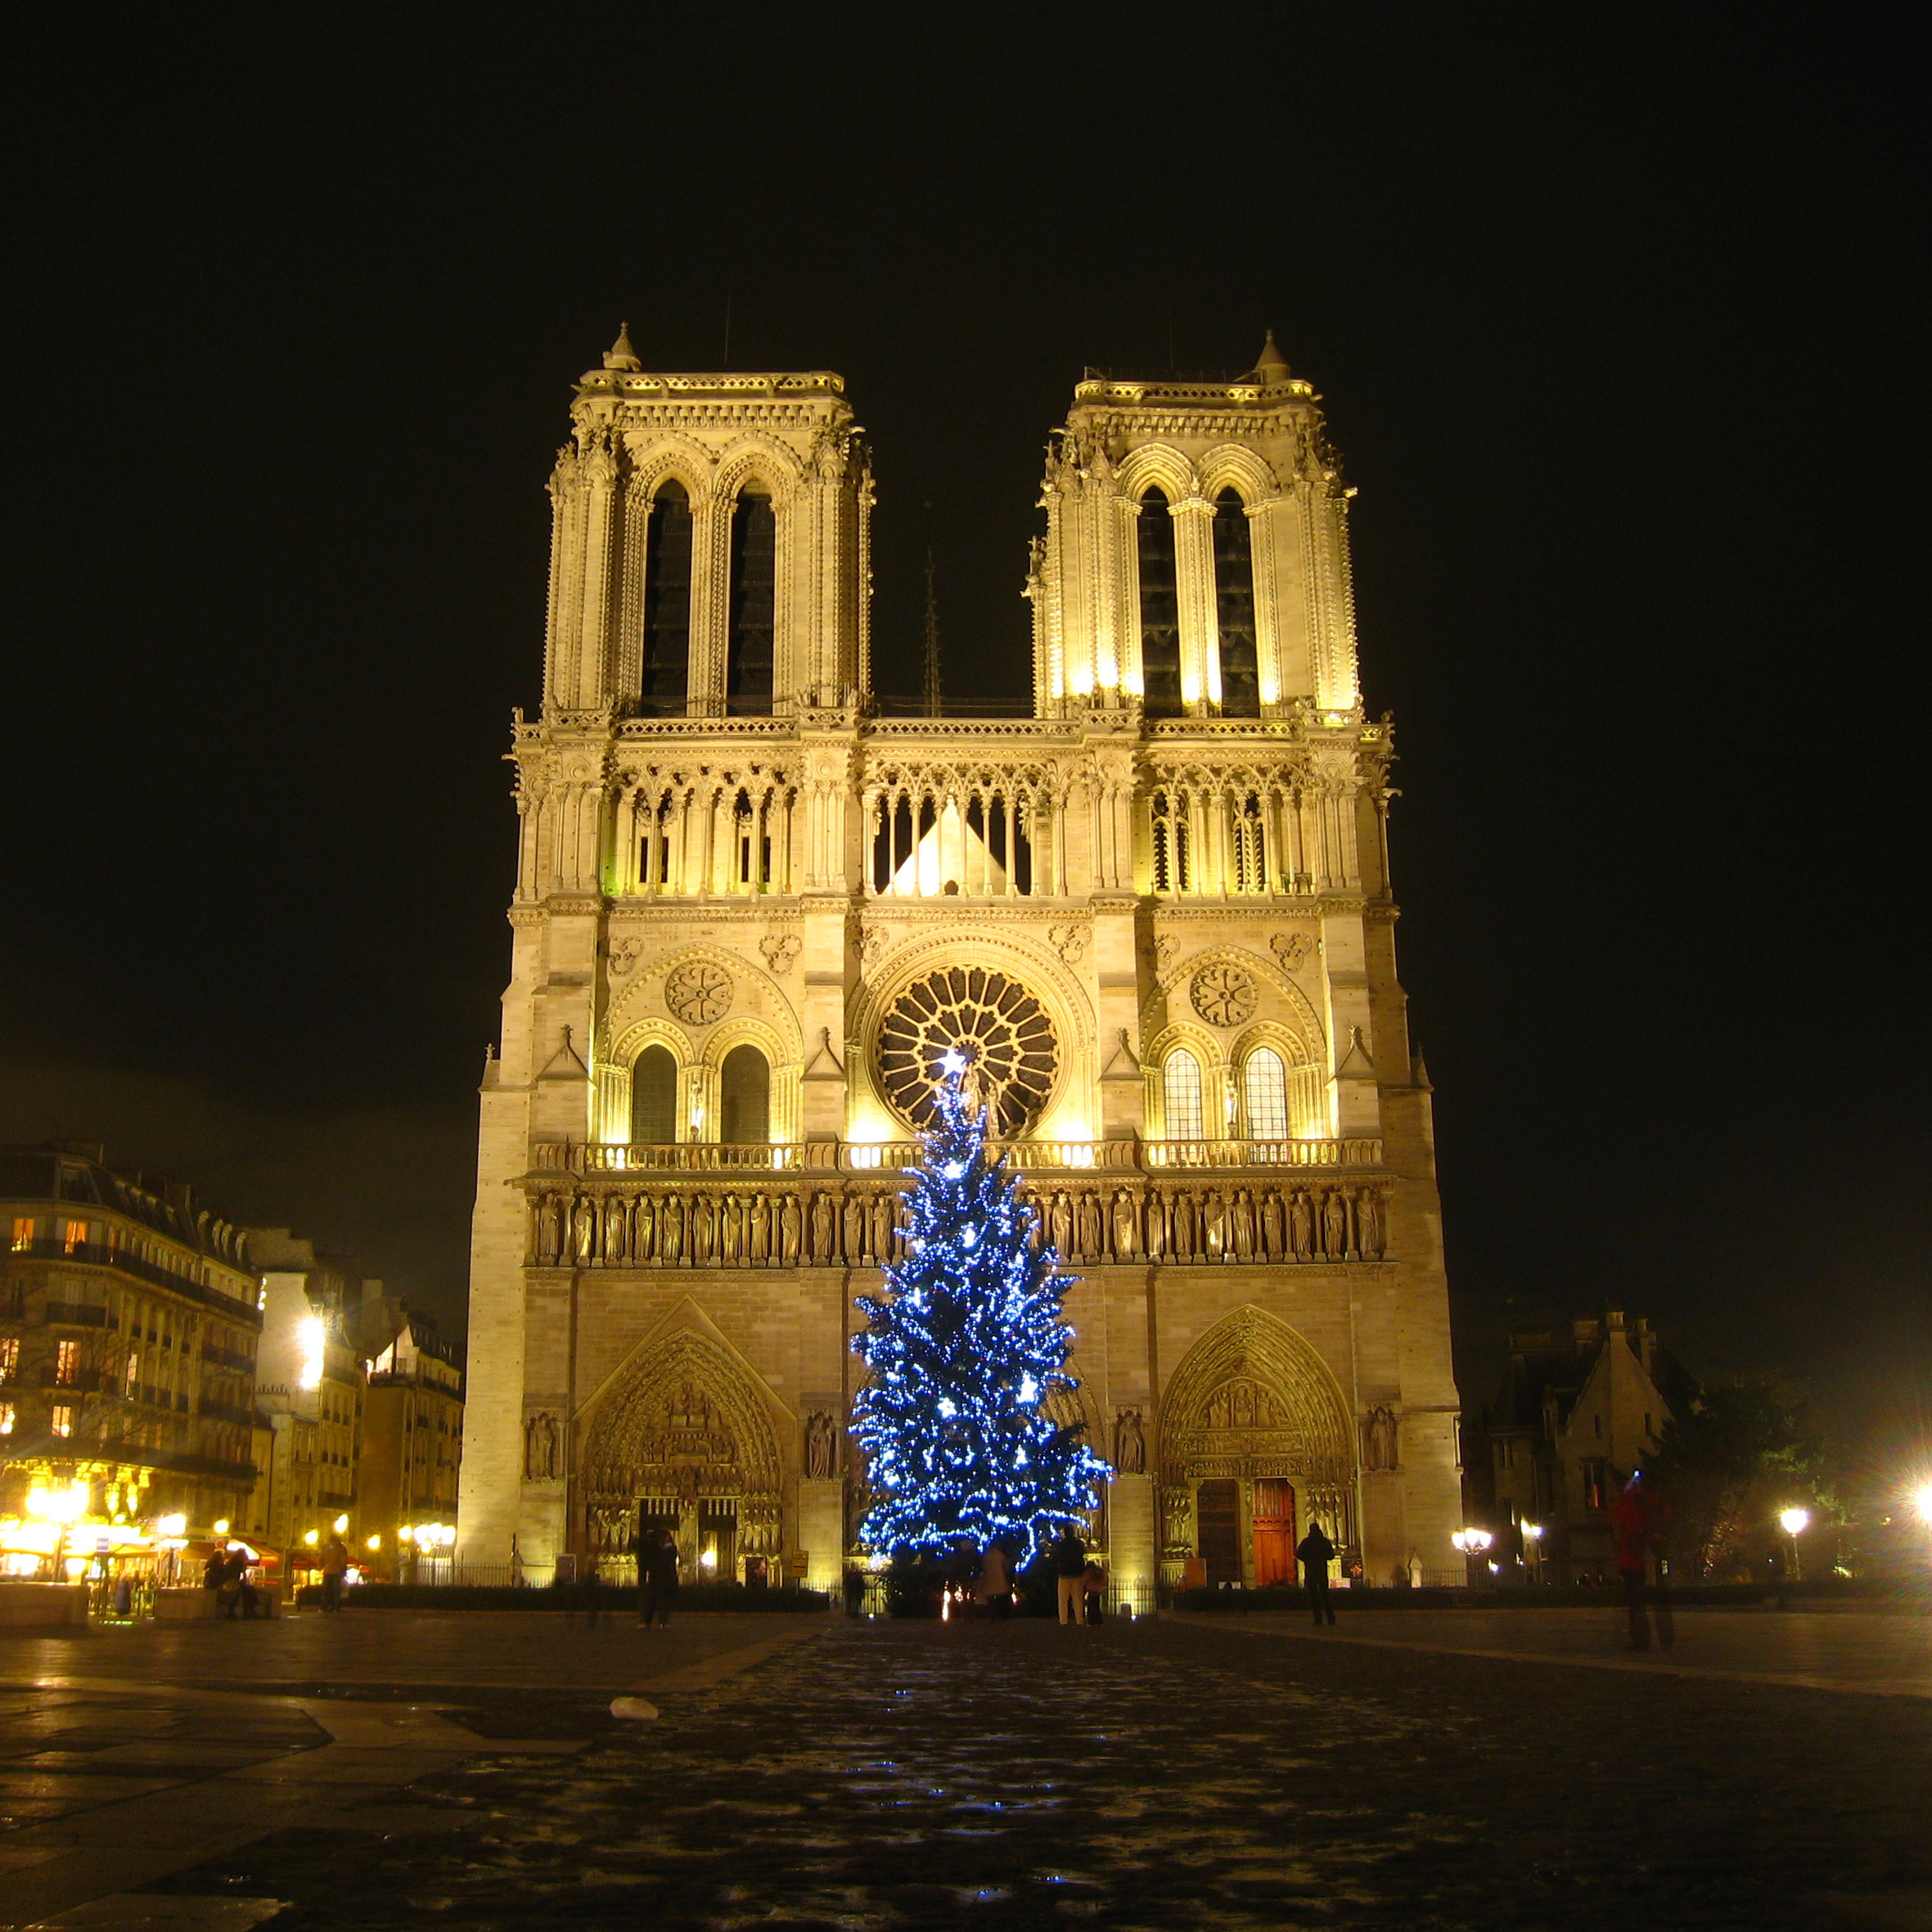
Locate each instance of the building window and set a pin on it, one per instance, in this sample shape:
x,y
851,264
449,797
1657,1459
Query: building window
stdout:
x,y
1180,1082
1170,842
667,601
133,1371
66,1363
745,1096
1234,606
74,1236
1595,1474
63,1419
1251,845
1264,1087
754,596
654,1095
10,1357
1160,609
23,1233
6,1418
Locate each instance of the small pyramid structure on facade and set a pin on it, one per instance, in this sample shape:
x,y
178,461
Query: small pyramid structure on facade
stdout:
x,y
1271,365
620,355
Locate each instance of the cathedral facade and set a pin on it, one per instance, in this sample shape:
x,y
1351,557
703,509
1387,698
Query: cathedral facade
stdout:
x,y
751,913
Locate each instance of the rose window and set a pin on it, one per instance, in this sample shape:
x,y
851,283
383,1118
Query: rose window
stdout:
x,y
994,1023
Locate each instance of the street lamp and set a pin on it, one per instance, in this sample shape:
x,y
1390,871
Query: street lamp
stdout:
x,y
1921,1501
1472,1543
1795,1523
1532,1540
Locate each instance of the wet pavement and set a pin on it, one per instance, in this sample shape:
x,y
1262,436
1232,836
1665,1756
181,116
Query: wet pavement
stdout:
x,y
1211,1772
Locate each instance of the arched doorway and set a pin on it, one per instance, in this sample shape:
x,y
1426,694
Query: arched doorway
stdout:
x,y
1255,1444
684,1439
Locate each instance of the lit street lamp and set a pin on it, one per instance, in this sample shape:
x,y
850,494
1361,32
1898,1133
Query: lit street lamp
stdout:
x,y
1795,1523
1921,1501
1472,1543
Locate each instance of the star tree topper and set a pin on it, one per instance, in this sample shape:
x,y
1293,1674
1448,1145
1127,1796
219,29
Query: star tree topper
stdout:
x,y
965,1345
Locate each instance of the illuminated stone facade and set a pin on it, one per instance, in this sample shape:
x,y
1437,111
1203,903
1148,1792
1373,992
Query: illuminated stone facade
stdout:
x,y
750,911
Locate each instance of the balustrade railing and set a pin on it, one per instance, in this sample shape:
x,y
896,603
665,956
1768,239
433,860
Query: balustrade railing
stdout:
x,y
1121,1156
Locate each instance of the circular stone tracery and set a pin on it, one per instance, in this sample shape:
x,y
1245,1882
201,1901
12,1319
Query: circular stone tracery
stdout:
x,y
1007,1041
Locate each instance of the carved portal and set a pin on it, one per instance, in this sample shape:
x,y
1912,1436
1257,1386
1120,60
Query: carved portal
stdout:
x,y
685,1436
1253,1400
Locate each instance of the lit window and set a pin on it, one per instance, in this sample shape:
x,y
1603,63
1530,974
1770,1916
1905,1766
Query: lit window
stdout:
x,y
67,1363
10,1357
63,1422
1181,1079
76,1236
1264,1084
133,1369
6,1415
23,1233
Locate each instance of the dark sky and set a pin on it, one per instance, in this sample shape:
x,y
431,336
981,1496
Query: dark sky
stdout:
x,y
1620,340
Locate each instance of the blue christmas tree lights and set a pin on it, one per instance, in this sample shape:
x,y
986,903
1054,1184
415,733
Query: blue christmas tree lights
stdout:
x,y
965,1345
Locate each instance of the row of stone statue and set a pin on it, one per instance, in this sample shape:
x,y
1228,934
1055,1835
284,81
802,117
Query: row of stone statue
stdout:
x,y
701,1228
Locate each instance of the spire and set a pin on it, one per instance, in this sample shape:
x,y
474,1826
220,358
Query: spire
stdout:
x,y
932,640
1271,365
620,355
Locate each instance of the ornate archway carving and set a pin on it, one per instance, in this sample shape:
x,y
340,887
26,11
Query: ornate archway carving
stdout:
x,y
683,1421
1251,1398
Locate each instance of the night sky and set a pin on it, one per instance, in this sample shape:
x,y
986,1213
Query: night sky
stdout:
x,y
1620,337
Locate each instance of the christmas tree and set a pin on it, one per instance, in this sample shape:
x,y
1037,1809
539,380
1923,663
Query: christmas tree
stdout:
x,y
965,1345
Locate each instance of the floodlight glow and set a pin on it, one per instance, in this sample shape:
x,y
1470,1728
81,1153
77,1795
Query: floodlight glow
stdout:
x,y
1796,1522
174,1526
1921,1501
221,1528
314,1338
341,1524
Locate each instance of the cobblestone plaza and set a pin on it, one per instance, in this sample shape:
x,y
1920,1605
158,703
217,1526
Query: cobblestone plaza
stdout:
x,y
1437,1769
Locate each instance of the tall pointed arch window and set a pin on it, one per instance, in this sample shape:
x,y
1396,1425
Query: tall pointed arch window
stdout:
x,y
1180,1080
745,1096
654,1095
1160,608
754,602
1264,1094
1234,606
667,601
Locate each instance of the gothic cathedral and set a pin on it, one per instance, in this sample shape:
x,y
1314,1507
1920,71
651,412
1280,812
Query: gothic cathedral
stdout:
x,y
751,913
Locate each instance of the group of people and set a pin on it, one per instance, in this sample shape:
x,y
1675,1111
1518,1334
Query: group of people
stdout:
x,y
226,1574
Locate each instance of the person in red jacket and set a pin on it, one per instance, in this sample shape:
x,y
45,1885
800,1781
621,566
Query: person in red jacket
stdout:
x,y
1640,1517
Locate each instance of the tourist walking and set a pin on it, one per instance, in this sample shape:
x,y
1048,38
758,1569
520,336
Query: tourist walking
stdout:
x,y
657,1577
1317,1552
1070,1566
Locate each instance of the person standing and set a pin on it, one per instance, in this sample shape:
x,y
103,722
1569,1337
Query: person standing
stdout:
x,y
1317,1552
995,1587
1639,1518
335,1564
657,1573
1069,1568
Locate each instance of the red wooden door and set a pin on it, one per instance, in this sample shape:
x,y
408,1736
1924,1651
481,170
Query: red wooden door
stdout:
x,y
1274,1532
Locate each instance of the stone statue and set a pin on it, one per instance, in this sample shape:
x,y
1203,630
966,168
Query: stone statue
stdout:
x,y
1378,1437
644,1245
1301,1226
821,1449
821,1231
550,1220
761,1228
1130,1445
1061,1225
1156,1225
583,1229
791,1229
1368,1225
1335,1226
616,1234
882,1228
1244,1226
733,1247
1184,1247
855,1230
1272,1225
674,1230
1214,1226
703,1230
1126,1227
539,1448
1087,1220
